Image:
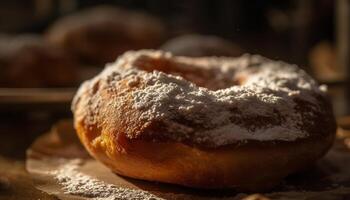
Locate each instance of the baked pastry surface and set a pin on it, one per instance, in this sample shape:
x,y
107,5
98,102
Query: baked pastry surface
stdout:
x,y
29,61
98,35
244,123
193,45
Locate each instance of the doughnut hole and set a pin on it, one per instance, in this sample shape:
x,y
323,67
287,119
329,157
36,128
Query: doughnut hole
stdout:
x,y
199,76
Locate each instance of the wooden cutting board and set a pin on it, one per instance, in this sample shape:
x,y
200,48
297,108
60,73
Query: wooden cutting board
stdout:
x,y
328,179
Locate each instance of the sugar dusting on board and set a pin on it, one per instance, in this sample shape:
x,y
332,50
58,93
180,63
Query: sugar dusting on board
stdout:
x,y
74,182
262,106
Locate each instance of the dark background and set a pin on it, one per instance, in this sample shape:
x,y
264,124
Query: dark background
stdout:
x,y
284,30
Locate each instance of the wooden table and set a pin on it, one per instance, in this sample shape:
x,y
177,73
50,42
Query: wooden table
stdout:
x,y
17,131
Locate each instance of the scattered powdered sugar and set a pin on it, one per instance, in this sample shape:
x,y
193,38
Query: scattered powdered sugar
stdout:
x,y
78,183
262,106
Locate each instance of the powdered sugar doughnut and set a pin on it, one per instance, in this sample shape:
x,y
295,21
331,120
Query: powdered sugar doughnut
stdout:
x,y
243,123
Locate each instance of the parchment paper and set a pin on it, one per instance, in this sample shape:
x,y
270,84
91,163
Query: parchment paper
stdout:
x,y
328,179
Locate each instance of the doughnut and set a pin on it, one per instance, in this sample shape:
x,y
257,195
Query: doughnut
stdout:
x,y
29,61
193,45
98,35
243,123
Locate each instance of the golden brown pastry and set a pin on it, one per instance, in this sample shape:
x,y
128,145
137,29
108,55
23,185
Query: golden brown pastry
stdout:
x,y
98,35
323,62
28,61
243,123
201,46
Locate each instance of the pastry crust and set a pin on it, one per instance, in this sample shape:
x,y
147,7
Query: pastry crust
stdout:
x,y
201,46
150,137
29,61
98,35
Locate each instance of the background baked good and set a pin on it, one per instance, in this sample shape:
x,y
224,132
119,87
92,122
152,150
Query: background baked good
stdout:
x,y
201,45
98,35
29,61
323,62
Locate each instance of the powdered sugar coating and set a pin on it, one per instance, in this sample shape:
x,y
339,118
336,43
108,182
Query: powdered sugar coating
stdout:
x,y
251,98
77,183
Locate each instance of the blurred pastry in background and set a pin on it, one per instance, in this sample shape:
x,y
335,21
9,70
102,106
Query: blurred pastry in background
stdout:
x,y
200,46
323,62
29,61
98,35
